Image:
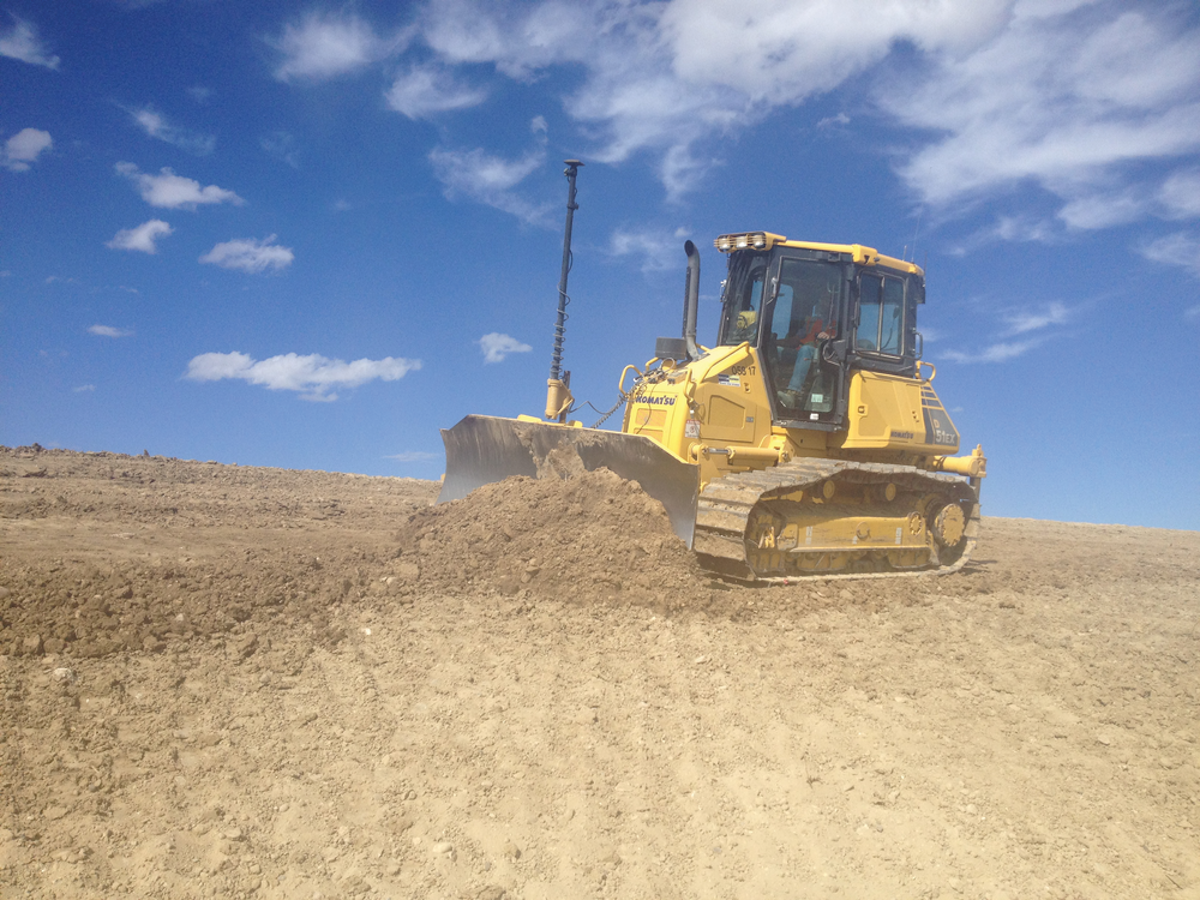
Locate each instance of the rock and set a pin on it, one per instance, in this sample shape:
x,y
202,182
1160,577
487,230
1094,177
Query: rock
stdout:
x,y
246,645
54,813
511,850
32,645
407,571
443,848
64,675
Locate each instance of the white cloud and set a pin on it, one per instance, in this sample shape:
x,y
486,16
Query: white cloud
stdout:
x,y
791,50
83,388
497,346
1017,324
488,179
629,98
1070,95
325,45
250,255
1103,210
1179,249
200,93
664,77
142,237
22,42
1015,229
1180,194
1067,103
411,456
838,121
24,147
170,191
109,331
314,376
156,125
1193,313
1000,352
282,146
1024,322
425,90
660,249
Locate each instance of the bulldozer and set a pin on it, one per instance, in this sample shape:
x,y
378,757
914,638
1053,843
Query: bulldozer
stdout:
x,y
806,441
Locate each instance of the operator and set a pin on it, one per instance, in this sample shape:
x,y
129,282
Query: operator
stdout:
x,y
807,342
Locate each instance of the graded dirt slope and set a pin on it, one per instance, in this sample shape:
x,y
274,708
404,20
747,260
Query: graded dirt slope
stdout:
x,y
225,681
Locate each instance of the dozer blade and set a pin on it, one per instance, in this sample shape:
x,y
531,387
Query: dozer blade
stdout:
x,y
483,449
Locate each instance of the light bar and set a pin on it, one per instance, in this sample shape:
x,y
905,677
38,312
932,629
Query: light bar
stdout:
x,y
753,240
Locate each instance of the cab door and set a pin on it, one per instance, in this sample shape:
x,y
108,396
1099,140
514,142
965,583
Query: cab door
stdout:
x,y
802,330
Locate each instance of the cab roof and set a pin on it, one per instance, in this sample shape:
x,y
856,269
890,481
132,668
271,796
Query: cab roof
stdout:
x,y
861,254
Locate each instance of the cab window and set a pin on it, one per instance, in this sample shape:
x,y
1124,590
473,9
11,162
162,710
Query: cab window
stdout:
x,y
743,300
881,315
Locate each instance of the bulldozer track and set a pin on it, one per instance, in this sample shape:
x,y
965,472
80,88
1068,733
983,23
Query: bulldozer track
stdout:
x,y
725,507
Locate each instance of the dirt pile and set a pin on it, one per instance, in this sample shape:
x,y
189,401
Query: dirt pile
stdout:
x,y
98,610
592,537
473,716
136,577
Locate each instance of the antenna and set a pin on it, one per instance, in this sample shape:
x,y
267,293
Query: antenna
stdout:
x,y
916,231
558,387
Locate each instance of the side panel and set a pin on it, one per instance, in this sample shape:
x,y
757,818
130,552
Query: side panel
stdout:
x,y
732,401
895,412
722,395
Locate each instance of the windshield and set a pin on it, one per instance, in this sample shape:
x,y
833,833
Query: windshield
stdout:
x,y
807,302
743,298
804,317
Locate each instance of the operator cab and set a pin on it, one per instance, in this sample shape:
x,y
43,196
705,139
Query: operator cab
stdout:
x,y
815,313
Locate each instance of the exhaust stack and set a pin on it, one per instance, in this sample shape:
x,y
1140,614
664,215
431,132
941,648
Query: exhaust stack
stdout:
x,y
691,299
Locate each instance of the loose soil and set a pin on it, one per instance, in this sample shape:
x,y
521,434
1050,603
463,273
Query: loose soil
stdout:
x,y
243,682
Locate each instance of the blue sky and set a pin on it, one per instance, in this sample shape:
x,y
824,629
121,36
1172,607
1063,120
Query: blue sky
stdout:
x,y
311,236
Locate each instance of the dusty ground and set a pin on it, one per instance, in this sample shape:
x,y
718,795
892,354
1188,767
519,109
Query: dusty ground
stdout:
x,y
224,681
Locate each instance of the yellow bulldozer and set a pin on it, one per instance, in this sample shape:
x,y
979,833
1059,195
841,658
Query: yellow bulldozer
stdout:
x,y
808,440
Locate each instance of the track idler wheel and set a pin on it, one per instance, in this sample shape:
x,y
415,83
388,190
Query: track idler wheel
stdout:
x,y
948,525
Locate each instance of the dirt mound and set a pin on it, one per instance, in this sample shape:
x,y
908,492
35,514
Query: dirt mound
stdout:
x,y
592,537
101,552
353,694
